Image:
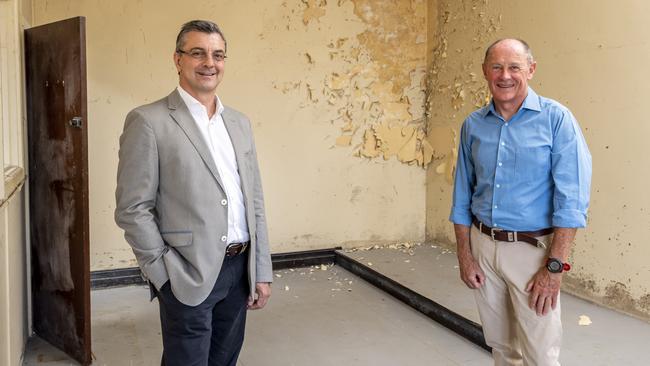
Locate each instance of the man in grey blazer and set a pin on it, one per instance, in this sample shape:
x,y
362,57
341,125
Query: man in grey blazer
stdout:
x,y
189,198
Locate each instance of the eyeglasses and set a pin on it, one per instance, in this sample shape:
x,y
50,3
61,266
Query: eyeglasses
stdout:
x,y
200,54
513,69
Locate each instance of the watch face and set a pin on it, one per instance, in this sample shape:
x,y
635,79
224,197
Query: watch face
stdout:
x,y
554,266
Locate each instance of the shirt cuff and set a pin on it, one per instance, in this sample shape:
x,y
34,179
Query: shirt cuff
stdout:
x,y
266,277
569,218
460,216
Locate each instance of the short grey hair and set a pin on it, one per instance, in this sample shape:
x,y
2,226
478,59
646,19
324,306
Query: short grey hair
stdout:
x,y
529,52
203,26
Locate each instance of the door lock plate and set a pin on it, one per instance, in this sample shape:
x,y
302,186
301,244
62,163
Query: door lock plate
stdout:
x,y
76,122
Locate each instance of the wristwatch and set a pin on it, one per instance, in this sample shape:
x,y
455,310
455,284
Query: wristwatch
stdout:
x,y
555,265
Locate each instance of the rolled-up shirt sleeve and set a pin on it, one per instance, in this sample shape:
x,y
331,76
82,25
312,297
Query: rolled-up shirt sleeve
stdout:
x,y
571,171
461,212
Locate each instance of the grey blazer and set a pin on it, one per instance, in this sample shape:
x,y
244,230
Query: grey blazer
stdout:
x,y
171,202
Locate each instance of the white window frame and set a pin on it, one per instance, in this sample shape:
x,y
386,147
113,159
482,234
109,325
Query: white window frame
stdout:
x,y
12,113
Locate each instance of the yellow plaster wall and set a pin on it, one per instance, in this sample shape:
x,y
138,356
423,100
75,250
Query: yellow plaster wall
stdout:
x,y
591,59
315,78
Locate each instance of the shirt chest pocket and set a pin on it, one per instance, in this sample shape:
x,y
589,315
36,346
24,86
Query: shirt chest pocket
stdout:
x,y
532,163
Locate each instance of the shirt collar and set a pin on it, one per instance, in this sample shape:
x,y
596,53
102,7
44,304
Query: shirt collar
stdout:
x,y
531,102
192,103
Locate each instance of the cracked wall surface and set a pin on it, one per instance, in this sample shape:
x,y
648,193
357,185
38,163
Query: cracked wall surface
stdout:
x,y
576,46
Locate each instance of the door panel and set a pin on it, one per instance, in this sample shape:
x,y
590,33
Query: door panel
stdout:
x,y
55,57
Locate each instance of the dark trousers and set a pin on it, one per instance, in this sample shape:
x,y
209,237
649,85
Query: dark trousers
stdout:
x,y
211,333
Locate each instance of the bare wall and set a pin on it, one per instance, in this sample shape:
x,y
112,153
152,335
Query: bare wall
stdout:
x,y
15,15
338,118
590,58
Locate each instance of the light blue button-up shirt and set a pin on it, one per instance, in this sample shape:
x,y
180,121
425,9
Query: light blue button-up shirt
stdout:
x,y
529,173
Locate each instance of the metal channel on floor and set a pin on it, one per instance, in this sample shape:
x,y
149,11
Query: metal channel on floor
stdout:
x,y
445,317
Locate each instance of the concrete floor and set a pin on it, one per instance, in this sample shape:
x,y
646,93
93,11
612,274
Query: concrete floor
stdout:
x,y
612,338
328,316
317,316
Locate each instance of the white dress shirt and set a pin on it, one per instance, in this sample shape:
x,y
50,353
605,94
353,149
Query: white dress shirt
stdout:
x,y
216,137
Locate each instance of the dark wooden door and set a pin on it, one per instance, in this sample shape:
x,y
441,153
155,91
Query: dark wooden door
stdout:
x,y
55,67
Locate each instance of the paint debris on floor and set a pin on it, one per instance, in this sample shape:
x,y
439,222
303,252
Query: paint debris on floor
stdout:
x,y
319,315
603,337
325,315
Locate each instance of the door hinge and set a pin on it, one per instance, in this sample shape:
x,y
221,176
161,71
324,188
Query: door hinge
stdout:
x,y
76,122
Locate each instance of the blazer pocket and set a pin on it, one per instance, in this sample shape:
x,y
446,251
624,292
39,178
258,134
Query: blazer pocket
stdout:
x,y
177,238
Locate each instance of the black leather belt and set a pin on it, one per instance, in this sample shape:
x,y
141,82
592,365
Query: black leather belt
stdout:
x,y
236,249
529,237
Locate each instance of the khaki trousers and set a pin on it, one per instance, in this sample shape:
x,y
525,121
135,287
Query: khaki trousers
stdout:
x,y
517,335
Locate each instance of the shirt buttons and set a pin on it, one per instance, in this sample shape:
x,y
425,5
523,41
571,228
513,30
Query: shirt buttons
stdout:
x,y
224,202
500,164
506,125
498,185
503,144
224,238
495,206
495,224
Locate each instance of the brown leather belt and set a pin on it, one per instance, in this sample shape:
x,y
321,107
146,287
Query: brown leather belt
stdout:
x,y
529,237
236,249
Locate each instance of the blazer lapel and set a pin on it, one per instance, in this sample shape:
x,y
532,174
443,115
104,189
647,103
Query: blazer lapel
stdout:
x,y
237,136
240,145
181,115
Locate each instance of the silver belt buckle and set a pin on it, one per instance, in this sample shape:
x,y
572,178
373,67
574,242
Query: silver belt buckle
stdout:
x,y
540,244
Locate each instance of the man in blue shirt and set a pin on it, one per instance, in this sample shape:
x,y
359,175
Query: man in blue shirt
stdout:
x,y
521,190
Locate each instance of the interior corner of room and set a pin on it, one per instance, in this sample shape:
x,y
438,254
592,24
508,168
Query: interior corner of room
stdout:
x,y
356,107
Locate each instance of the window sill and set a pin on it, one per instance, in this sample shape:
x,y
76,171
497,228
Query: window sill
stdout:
x,y
14,178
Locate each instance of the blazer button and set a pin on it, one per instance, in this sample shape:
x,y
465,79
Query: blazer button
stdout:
x,y
224,202
223,238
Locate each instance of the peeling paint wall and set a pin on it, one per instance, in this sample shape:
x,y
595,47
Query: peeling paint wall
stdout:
x,y
315,77
455,88
584,53
379,93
